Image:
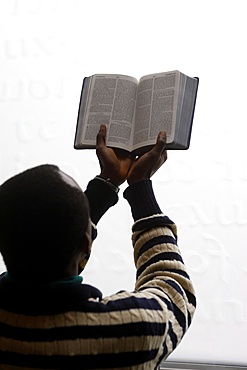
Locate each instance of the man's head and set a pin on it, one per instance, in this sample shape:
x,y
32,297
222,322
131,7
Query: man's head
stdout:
x,y
44,219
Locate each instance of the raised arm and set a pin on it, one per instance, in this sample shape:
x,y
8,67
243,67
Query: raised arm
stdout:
x,y
163,286
102,191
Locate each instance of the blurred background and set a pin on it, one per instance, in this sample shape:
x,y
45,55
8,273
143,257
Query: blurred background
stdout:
x,y
47,47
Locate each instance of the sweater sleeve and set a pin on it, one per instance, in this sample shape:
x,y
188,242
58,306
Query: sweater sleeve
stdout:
x,y
100,197
161,273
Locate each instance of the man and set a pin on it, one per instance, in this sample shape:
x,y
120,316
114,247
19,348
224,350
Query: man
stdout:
x,y
48,318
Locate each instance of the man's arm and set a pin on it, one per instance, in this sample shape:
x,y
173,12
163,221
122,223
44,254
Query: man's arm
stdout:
x,y
102,191
161,273
114,165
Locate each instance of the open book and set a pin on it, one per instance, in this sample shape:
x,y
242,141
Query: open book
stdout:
x,y
135,111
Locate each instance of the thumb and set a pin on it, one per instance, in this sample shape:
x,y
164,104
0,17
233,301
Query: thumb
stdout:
x,y
160,143
100,139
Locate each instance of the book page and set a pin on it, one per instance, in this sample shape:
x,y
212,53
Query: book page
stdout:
x,y
111,101
155,107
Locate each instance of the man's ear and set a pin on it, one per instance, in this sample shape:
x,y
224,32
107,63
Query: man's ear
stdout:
x,y
86,248
86,243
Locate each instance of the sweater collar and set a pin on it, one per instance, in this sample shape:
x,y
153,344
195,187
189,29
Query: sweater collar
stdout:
x,y
75,279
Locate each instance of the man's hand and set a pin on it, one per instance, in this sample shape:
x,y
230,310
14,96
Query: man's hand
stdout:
x,y
114,163
147,164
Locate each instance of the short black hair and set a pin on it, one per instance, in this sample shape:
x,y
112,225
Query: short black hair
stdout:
x,y
43,220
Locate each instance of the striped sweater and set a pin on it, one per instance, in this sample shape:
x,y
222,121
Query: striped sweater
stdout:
x,y
69,325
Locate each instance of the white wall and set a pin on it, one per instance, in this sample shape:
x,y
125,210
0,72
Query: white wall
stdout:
x,y
48,46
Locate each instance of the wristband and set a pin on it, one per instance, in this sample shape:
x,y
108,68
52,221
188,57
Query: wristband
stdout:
x,y
108,182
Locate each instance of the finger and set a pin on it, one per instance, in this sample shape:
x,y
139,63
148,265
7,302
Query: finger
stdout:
x,y
160,145
161,137
100,140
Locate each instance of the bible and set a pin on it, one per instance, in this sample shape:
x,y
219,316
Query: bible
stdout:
x,y
135,111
